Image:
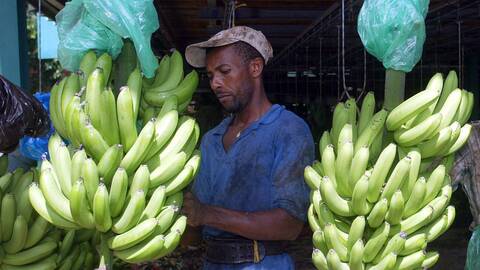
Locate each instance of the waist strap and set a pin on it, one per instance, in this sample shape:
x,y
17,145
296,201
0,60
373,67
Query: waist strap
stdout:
x,y
235,251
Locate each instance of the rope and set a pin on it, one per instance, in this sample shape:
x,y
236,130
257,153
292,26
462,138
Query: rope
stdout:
x,y
39,44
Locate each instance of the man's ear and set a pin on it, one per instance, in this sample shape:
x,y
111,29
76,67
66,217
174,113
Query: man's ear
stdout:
x,y
256,67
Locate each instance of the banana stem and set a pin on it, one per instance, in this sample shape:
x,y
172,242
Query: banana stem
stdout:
x,y
105,255
394,88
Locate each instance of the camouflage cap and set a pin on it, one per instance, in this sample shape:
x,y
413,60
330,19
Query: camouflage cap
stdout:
x,y
196,53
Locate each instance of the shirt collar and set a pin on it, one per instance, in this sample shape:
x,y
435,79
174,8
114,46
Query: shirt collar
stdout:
x,y
271,115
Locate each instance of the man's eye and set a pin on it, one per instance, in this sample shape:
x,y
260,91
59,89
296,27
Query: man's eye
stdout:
x,y
225,71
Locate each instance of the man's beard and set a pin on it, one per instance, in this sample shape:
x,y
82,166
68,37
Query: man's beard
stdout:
x,y
235,107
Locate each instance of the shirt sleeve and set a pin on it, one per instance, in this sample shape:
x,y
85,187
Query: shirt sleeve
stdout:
x,y
294,150
201,187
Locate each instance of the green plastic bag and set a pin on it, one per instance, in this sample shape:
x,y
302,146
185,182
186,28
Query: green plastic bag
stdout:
x,y
473,251
101,25
394,31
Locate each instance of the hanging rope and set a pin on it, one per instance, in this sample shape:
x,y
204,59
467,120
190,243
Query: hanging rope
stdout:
x,y
308,73
359,97
320,66
459,31
39,43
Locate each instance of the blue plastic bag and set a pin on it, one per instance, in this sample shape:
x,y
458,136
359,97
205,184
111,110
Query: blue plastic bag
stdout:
x,y
35,147
394,31
101,25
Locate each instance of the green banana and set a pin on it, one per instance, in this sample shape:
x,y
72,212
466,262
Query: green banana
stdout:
x,y
414,222
359,166
72,108
161,73
72,85
87,65
134,83
328,162
142,251
141,181
104,63
183,91
40,205
412,261
175,74
126,120
375,243
336,203
345,135
366,112
110,162
431,258
60,158
395,245
356,232
92,140
312,178
108,118
55,107
318,239
318,167
450,107
415,201
36,231
410,108
395,211
434,184
342,167
155,203
387,263
80,206
351,107
134,235
139,149
360,205
319,260
324,141
435,87
420,132
18,236
101,209
67,244
77,164
374,127
462,108
30,255
164,128
462,139
168,169
450,84
90,178
450,212
125,63
312,220
54,196
432,147
380,171
118,192
340,118
469,108
180,139
397,177
131,214
334,262
95,85
413,244
180,181
356,255
333,242
377,215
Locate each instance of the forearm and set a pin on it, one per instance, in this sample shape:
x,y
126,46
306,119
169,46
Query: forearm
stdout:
x,y
274,224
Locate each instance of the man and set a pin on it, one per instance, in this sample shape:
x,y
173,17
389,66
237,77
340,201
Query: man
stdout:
x,y
249,195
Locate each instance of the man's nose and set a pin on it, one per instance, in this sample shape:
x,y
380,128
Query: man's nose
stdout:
x,y
215,84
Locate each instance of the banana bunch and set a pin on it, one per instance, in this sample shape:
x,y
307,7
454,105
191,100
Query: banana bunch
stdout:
x,y
28,241
169,81
377,199
123,173
434,120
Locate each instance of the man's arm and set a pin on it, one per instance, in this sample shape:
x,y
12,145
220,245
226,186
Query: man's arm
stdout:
x,y
275,224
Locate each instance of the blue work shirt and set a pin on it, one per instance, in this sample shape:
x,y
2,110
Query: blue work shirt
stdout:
x,y
262,170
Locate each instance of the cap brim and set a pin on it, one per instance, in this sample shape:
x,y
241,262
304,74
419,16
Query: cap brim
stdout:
x,y
196,54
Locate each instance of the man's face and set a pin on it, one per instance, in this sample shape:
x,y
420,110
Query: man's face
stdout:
x,y
230,78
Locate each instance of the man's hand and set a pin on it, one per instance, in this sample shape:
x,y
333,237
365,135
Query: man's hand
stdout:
x,y
194,210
